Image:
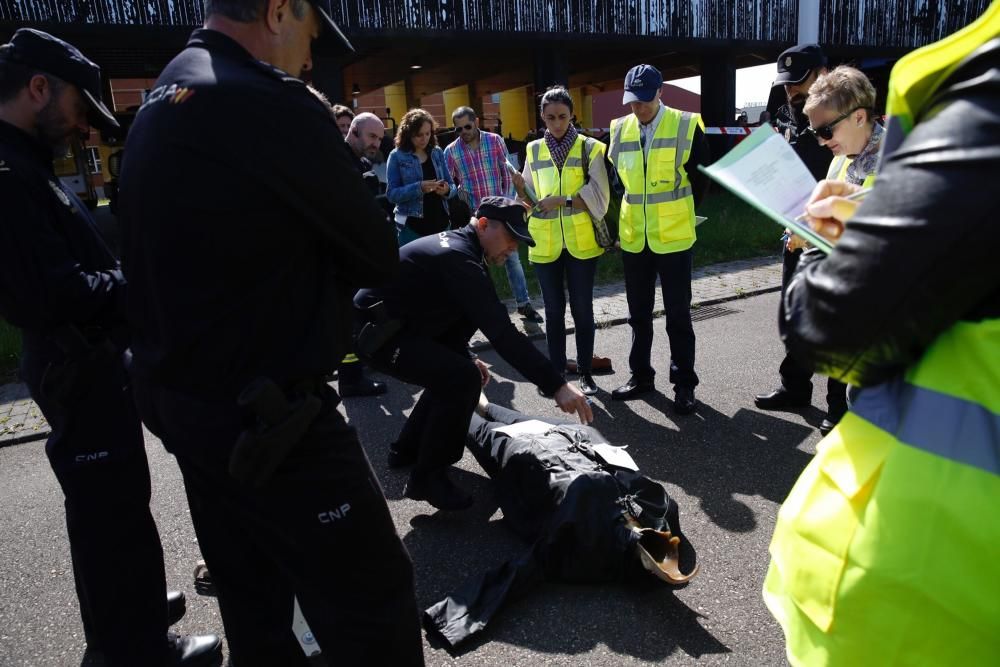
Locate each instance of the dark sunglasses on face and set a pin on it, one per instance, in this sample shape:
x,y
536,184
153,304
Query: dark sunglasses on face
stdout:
x,y
465,127
826,132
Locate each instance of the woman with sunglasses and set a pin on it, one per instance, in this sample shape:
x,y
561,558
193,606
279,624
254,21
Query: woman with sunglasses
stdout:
x,y
418,180
568,196
840,109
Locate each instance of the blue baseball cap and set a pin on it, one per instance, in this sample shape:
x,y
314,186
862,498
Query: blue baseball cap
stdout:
x,y
641,84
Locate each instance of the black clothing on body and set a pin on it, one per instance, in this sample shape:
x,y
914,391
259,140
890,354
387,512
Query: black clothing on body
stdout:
x,y
444,292
62,287
700,155
442,295
793,124
435,218
247,230
559,496
242,256
796,375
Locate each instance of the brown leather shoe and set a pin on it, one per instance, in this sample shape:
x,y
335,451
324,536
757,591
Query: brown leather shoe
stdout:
x,y
598,366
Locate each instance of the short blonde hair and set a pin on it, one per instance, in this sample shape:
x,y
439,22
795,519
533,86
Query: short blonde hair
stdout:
x,y
842,89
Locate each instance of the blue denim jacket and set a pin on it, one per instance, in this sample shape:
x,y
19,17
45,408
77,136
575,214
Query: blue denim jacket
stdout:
x,y
404,173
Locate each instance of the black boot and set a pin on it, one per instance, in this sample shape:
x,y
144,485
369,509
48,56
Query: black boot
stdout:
x,y
436,489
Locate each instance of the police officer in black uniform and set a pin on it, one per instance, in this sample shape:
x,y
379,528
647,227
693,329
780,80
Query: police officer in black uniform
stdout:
x,y
247,230
60,284
798,68
419,329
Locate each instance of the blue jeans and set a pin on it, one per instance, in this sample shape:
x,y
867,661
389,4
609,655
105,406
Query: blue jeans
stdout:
x,y
579,279
518,283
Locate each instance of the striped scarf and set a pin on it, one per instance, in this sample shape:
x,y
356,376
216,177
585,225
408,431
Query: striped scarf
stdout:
x,y
559,149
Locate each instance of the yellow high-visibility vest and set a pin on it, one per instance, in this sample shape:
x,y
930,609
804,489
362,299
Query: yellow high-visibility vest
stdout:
x,y
552,229
887,550
838,171
658,206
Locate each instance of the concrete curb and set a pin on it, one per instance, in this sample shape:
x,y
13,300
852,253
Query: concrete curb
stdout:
x,y
22,438
484,345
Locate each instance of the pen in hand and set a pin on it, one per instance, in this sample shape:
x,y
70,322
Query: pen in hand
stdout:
x,y
857,196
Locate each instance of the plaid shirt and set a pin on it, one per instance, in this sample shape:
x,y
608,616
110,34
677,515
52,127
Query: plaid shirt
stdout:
x,y
480,173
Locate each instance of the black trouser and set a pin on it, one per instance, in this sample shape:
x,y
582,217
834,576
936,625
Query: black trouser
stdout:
x,y
352,369
437,425
318,530
99,458
674,270
795,377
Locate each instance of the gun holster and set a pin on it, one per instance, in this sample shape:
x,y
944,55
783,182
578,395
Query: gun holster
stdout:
x,y
280,426
378,328
64,381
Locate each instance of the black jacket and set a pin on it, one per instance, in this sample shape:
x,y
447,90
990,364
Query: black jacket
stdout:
x,y
556,494
247,227
444,292
56,269
918,255
793,124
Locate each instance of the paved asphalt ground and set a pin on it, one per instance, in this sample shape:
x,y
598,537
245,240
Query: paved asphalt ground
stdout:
x,y
728,467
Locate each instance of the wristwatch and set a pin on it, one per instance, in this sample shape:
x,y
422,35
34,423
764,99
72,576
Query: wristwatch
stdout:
x,y
569,202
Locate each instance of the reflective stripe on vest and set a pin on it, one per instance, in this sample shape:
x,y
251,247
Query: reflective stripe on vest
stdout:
x,y
889,532
551,230
940,424
658,207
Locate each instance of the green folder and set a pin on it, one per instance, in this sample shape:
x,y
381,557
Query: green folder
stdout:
x,y
764,171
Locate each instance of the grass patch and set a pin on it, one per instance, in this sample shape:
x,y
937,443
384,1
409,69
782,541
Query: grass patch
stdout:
x,y
734,230
10,350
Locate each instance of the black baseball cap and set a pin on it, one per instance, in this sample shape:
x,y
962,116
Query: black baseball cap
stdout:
x,y
641,84
326,12
42,51
794,64
511,213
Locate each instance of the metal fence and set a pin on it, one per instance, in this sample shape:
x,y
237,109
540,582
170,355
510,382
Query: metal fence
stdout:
x,y
105,12
766,20
891,23
877,23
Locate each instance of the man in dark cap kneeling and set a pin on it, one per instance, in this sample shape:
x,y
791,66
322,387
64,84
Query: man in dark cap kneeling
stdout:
x,y
418,329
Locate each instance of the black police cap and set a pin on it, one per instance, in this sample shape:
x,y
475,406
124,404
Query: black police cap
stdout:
x,y
795,63
42,51
338,38
508,211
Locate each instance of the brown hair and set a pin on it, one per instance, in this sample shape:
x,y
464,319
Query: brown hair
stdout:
x,y
412,123
842,89
339,111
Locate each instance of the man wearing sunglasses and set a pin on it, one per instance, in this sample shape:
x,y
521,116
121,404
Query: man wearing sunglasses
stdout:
x,y
477,161
798,69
